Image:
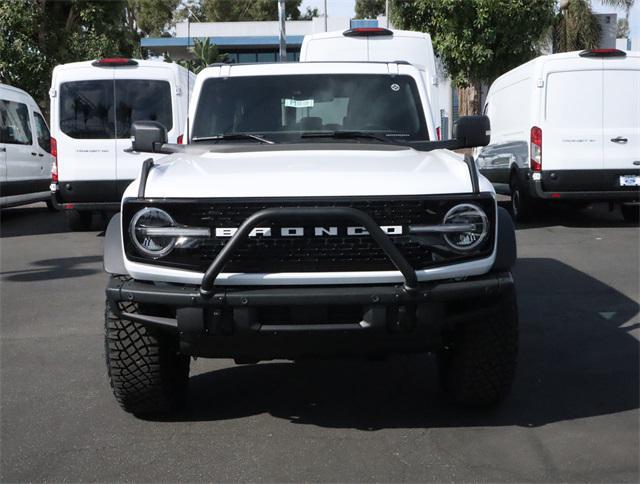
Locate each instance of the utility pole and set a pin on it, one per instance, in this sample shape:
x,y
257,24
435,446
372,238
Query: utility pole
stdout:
x,y
386,12
325,16
283,34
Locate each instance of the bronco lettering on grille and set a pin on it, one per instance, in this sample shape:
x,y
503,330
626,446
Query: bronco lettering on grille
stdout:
x,y
307,231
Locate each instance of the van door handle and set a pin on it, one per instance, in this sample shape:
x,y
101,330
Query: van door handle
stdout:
x,y
40,154
33,154
619,139
3,149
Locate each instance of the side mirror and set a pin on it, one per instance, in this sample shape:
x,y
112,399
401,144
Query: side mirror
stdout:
x,y
148,136
472,131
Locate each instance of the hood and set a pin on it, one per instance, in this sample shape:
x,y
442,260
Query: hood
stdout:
x,y
286,172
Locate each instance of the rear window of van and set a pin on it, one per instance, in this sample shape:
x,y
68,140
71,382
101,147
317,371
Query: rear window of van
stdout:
x,y
105,109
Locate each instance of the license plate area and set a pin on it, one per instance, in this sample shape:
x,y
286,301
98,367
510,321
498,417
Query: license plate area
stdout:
x,y
630,180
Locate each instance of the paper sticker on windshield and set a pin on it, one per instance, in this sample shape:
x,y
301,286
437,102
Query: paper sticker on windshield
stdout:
x,y
298,103
395,87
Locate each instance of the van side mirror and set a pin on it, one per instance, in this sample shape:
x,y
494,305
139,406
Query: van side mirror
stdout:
x,y
472,131
148,136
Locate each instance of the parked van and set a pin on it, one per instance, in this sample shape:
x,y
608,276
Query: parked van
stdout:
x,y
25,159
92,107
566,127
376,44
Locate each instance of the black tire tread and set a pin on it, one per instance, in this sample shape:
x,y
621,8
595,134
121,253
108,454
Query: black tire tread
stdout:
x,y
479,367
146,373
630,213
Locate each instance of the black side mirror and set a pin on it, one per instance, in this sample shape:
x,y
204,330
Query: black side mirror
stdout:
x,y
472,131
148,136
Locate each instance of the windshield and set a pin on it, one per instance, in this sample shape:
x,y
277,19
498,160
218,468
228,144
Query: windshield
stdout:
x,y
285,108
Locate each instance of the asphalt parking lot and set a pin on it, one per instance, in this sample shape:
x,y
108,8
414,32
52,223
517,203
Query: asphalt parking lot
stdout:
x,y
572,415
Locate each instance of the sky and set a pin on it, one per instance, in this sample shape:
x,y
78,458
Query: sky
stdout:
x,y
346,8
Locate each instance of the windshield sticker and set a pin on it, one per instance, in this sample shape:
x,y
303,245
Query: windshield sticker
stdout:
x,y
395,87
298,103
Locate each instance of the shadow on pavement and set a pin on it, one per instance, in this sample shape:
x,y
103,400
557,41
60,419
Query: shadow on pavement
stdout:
x,y
576,360
50,269
36,219
596,215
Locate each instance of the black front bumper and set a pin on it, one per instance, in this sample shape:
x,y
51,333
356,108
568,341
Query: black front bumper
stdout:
x,y
289,322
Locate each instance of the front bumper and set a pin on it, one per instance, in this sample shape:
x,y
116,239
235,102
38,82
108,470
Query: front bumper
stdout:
x,y
290,322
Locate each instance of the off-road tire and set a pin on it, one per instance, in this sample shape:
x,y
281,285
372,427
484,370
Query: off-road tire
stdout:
x,y
478,365
148,376
79,220
522,205
630,213
51,206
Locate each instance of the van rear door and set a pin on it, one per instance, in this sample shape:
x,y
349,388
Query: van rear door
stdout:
x,y
572,130
621,113
83,119
141,94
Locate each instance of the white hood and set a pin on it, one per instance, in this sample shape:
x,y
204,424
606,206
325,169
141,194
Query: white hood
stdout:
x,y
308,173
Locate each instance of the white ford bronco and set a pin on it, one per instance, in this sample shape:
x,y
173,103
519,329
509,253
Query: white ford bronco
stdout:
x,y
311,212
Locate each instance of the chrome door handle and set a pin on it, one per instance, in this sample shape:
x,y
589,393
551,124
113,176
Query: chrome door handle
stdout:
x,y
619,139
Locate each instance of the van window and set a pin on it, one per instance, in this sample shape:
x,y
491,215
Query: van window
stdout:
x,y
104,110
15,127
86,109
574,99
142,100
42,133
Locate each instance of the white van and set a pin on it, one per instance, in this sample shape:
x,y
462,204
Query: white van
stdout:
x,y
93,104
25,159
566,127
376,44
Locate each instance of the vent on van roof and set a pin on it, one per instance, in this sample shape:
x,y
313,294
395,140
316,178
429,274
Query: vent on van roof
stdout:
x,y
114,62
603,53
366,31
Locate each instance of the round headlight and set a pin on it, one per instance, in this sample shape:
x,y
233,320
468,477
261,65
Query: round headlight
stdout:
x,y
147,243
469,215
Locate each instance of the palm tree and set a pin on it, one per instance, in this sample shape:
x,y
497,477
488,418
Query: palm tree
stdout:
x,y
576,27
204,53
624,5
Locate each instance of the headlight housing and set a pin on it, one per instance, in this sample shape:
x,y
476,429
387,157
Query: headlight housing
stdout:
x,y
475,218
144,240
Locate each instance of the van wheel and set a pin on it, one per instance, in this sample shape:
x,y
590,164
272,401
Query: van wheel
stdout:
x,y
148,375
52,206
522,205
478,365
79,220
630,213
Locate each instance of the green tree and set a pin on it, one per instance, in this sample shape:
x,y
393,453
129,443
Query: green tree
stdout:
x,y
204,53
245,10
309,14
575,27
626,6
39,34
478,40
370,8
150,17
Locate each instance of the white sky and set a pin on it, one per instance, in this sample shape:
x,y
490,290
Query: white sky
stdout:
x,y
346,8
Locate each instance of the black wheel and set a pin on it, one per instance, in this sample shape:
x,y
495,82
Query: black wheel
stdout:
x,y
478,365
522,205
630,213
147,374
79,220
51,206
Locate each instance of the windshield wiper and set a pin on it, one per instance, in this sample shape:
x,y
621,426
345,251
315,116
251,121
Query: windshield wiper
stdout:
x,y
349,135
233,136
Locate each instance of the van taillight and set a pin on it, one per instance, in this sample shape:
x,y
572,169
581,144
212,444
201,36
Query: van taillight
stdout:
x,y
114,62
54,166
536,149
180,139
366,31
603,53
438,135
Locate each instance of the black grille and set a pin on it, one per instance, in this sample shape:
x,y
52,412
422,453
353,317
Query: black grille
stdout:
x,y
310,253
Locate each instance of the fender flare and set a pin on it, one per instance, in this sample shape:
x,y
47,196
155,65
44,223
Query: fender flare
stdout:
x,y
113,255
506,249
